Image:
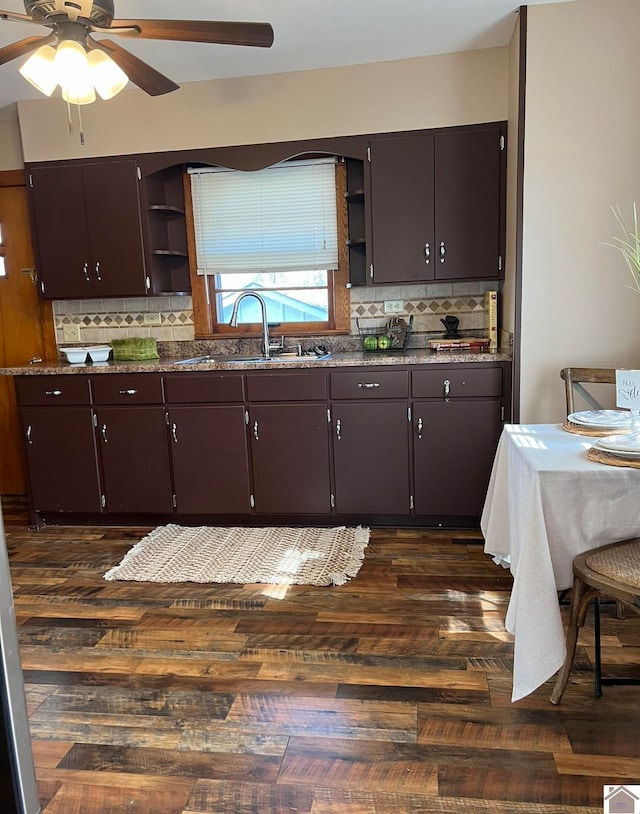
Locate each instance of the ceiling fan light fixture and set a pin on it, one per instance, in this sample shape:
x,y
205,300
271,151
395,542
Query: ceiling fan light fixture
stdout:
x,y
72,72
39,70
107,77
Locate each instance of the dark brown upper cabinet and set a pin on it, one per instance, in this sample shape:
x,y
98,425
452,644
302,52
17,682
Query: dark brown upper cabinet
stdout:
x,y
88,230
437,202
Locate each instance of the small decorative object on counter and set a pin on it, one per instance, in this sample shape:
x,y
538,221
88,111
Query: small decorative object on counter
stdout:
x,y
393,336
451,326
471,343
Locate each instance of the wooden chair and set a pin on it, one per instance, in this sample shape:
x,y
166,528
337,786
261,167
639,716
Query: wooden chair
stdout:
x,y
576,377
612,571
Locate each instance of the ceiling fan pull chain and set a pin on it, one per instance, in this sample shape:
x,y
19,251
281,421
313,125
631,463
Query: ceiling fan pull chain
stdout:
x,y
70,119
80,126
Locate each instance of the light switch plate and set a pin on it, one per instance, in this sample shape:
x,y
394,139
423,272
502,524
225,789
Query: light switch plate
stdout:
x,y
71,333
152,319
393,306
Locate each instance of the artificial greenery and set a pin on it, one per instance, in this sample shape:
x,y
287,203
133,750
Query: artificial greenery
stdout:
x,y
629,244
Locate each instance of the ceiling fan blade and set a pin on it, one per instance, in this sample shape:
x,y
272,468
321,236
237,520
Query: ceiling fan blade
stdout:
x,y
140,73
22,47
15,17
226,33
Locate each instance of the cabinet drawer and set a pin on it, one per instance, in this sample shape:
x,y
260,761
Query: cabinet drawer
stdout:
x,y
370,384
53,390
203,388
123,388
468,383
298,386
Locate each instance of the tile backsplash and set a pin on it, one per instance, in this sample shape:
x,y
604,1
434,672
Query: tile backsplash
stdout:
x,y
170,319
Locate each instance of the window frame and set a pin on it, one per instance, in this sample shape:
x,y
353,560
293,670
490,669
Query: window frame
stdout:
x,y
205,315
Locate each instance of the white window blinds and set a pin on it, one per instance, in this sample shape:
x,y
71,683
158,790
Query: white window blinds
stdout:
x,y
282,218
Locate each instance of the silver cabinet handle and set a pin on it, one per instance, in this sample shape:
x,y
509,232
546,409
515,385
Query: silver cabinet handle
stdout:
x,y
29,439
427,253
174,433
97,269
85,269
338,429
419,428
35,360
53,392
446,389
128,392
104,433
255,430
368,385
443,251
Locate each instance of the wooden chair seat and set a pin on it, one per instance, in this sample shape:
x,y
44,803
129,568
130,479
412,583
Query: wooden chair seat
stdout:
x,y
612,571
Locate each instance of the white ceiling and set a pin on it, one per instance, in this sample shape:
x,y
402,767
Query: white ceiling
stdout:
x,y
308,34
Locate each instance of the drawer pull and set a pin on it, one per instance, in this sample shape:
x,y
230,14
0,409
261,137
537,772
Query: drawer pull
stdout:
x,y
104,434
174,433
427,253
128,392
443,251
85,269
419,428
97,270
255,431
446,389
53,392
29,439
368,385
338,429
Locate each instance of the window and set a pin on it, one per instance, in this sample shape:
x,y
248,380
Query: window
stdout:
x,y
274,231
3,268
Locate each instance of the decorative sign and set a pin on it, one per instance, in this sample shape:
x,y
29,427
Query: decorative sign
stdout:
x,y
628,389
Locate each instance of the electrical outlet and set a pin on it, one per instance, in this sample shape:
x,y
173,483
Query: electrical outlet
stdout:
x,y
71,333
152,319
393,306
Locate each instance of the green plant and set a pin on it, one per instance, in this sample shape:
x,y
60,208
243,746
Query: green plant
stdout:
x,y
629,244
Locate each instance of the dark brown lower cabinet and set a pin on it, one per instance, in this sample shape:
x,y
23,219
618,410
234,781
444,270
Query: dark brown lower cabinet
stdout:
x,y
61,459
454,444
371,457
209,459
134,454
290,458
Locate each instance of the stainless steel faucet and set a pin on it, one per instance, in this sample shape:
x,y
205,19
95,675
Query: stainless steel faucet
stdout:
x,y
265,327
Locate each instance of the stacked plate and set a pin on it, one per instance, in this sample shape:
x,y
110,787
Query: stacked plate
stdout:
x,y
624,446
613,420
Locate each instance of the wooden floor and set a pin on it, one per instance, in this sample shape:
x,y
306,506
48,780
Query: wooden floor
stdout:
x,y
388,694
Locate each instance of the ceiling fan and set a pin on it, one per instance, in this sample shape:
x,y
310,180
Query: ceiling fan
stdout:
x,y
71,45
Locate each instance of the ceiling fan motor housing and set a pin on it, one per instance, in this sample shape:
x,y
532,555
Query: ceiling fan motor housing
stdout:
x,y
50,11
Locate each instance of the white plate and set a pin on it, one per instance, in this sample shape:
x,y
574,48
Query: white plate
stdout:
x,y
602,419
620,445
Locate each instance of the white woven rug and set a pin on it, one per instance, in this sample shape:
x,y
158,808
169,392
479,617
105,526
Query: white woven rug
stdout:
x,y
279,556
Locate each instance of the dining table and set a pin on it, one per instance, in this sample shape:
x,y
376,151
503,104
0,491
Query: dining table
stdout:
x,y
547,502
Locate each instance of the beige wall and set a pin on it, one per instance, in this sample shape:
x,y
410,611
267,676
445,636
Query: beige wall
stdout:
x,y
582,155
407,94
10,146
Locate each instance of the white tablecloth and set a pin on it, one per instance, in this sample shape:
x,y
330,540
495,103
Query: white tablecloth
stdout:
x,y
545,504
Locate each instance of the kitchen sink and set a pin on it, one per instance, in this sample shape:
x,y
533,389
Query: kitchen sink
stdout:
x,y
230,358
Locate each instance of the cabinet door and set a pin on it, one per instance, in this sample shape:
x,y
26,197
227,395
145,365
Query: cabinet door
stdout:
x,y
402,208
61,459
60,232
371,458
114,222
210,459
88,230
290,458
135,459
453,450
468,182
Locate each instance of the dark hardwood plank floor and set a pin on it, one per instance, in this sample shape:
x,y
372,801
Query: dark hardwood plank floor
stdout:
x,y
388,694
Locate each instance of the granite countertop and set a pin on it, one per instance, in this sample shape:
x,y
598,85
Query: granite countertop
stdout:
x,y
170,364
